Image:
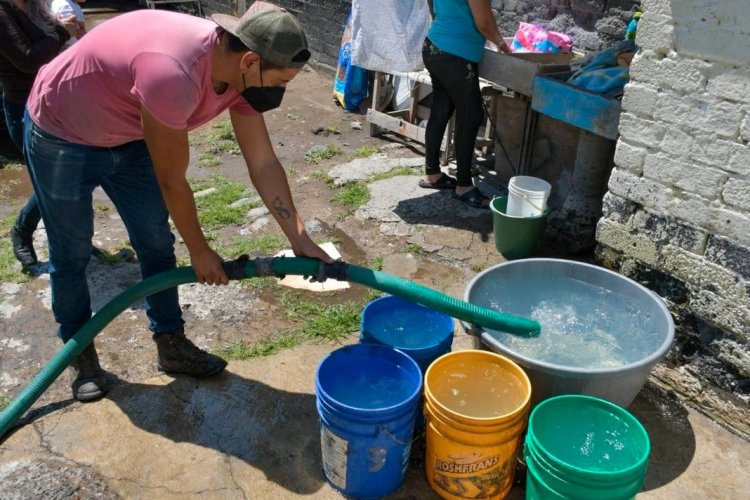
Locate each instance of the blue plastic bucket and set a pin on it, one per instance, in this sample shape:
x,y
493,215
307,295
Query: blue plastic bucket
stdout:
x,y
368,398
422,333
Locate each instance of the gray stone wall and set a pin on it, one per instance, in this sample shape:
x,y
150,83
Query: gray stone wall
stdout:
x,y
593,24
677,215
323,21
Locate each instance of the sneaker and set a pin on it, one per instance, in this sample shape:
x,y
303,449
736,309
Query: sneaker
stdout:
x,y
178,355
89,380
23,246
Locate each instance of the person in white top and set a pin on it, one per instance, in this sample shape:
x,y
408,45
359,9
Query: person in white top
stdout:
x,y
62,9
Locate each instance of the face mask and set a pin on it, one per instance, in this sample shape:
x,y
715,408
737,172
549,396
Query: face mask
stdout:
x,y
262,98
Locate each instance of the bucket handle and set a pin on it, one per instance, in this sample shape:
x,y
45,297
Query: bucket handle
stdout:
x,y
525,197
397,440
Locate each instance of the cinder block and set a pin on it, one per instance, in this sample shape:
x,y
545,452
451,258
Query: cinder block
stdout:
x,y
740,161
661,7
704,181
729,254
724,313
617,209
674,72
730,83
709,150
639,99
638,189
655,32
676,142
629,157
618,237
666,230
737,193
640,131
730,223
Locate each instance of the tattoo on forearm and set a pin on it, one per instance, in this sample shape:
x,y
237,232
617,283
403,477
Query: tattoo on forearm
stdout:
x,y
280,209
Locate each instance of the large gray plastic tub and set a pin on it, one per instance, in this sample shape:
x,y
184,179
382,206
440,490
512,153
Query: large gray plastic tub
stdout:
x,y
619,385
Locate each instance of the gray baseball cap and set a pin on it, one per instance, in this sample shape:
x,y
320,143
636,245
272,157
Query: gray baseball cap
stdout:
x,y
274,34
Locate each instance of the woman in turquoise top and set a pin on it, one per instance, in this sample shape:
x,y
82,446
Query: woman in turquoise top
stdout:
x,y
451,53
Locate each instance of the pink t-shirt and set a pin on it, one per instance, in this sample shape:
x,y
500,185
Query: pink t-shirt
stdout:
x,y
93,92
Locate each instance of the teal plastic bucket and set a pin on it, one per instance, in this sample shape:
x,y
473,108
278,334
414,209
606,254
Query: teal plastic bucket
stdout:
x,y
581,447
367,398
420,332
515,237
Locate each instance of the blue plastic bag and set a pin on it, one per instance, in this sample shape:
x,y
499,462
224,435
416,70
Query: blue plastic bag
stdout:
x,y
350,84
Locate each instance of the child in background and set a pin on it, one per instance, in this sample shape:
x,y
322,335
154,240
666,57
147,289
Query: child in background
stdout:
x,y
61,9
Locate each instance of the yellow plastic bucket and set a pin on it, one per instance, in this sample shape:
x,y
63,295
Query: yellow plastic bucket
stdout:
x,y
476,407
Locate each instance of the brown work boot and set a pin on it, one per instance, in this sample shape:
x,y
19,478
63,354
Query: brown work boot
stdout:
x,y
178,355
89,380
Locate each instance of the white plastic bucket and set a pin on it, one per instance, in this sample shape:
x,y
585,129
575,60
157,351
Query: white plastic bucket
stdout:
x,y
527,196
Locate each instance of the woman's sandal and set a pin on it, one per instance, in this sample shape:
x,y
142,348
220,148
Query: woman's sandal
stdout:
x,y
473,198
444,182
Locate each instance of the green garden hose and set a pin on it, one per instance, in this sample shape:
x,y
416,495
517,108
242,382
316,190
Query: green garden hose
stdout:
x,y
241,269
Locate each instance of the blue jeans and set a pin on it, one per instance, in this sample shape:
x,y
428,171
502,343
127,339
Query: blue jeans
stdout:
x,y
28,218
64,176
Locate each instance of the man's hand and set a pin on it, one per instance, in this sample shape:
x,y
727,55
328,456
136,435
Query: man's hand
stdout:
x,y
207,266
305,247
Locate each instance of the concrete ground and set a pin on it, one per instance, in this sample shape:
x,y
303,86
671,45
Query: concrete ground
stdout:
x,y
253,432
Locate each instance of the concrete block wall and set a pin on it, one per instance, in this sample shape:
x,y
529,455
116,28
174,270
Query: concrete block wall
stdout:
x,y
677,214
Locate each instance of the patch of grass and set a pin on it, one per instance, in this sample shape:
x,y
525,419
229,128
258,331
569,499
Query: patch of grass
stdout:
x,y
255,246
376,263
332,129
208,159
291,170
319,175
259,284
239,350
316,321
320,320
4,401
413,248
351,196
101,208
122,253
213,209
329,152
218,139
11,165
183,261
478,268
400,171
366,151
10,269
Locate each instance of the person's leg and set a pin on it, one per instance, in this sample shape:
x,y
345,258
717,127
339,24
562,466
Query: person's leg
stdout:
x,y
64,176
462,85
441,109
135,192
22,232
13,112
133,189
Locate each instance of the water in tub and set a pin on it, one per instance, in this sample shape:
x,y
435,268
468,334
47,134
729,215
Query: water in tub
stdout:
x,y
583,325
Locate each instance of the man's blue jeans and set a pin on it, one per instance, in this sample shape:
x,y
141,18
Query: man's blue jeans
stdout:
x,y
65,175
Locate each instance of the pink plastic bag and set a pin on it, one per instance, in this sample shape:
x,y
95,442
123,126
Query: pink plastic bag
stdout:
x,y
534,38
